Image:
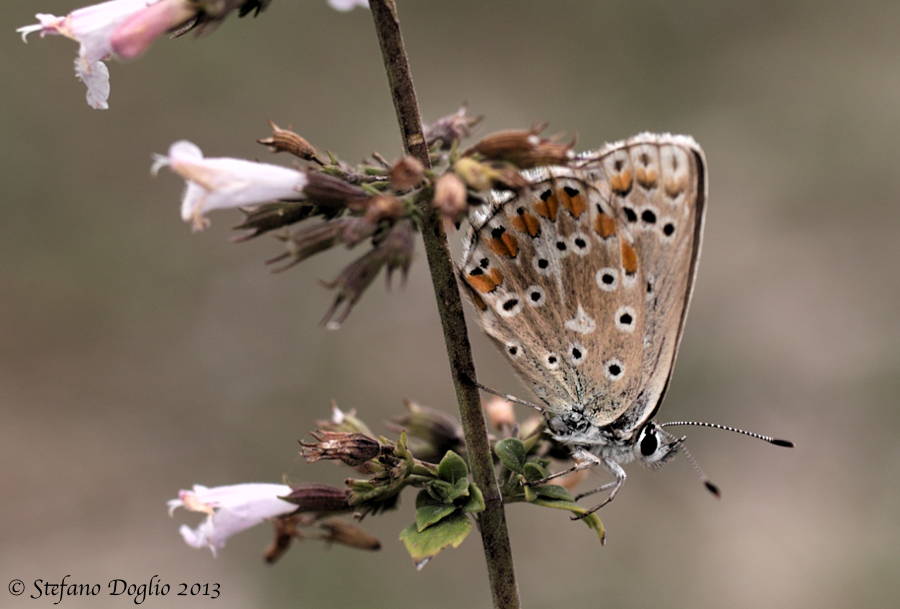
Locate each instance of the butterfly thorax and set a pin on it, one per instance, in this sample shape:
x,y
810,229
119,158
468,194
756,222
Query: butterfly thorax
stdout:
x,y
609,441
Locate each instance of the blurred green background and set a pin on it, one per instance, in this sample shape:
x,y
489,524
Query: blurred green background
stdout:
x,y
138,359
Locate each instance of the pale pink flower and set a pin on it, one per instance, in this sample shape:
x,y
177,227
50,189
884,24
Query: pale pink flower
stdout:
x,y
229,510
220,183
118,27
347,5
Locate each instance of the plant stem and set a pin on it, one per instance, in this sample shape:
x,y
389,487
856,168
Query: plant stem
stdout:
x,y
494,534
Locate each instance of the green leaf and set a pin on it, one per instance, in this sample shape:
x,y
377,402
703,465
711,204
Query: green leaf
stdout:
x,y
530,494
441,490
511,453
430,511
452,468
534,471
553,491
591,520
476,500
460,489
449,532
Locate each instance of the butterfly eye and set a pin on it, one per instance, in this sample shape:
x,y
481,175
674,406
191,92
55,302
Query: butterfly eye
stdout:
x,y
648,442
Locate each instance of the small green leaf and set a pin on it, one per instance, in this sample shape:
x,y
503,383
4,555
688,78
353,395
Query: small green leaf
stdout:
x,y
530,494
452,468
427,543
511,453
533,471
591,520
429,511
441,490
460,489
553,491
476,500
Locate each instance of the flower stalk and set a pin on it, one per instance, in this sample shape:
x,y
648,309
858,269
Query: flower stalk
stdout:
x,y
492,521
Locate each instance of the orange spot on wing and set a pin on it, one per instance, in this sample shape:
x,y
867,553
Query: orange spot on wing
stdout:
x,y
629,258
605,225
646,177
575,204
621,182
504,245
548,208
485,283
674,187
526,223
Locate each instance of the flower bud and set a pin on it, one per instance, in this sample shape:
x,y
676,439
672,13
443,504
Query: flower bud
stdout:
x,y
450,196
450,129
407,173
475,174
350,448
348,534
500,413
313,497
284,140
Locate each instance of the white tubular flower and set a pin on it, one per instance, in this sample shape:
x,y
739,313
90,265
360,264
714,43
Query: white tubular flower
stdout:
x,y
347,5
221,183
97,30
229,509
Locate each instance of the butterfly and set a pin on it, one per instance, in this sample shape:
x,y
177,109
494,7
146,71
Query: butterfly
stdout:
x,y
583,280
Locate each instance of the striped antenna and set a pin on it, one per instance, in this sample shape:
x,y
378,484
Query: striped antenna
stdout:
x,y
758,436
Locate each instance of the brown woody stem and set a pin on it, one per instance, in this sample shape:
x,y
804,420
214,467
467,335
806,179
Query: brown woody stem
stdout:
x,y
494,534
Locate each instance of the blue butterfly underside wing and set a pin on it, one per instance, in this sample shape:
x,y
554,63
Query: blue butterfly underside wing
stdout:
x,y
583,280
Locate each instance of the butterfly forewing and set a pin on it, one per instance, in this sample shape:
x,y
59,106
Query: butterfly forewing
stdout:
x,y
583,280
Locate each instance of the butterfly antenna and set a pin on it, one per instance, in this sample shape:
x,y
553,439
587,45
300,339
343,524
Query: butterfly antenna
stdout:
x,y
511,398
712,488
758,436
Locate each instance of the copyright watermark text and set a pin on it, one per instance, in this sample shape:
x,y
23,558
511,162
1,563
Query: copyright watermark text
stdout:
x,y
58,591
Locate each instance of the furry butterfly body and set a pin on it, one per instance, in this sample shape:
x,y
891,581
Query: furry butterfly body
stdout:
x,y
583,280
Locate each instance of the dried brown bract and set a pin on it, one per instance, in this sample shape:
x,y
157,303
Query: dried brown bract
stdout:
x,y
284,140
350,448
348,534
525,149
318,498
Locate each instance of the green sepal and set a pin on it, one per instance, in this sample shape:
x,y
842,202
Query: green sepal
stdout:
x,y
430,511
511,453
448,532
475,503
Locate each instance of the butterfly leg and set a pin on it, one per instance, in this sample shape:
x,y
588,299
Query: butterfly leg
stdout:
x,y
616,484
583,460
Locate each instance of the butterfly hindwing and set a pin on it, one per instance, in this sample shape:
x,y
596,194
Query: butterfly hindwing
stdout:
x,y
583,279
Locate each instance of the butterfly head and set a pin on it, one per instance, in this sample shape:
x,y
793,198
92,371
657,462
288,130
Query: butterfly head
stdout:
x,y
654,446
